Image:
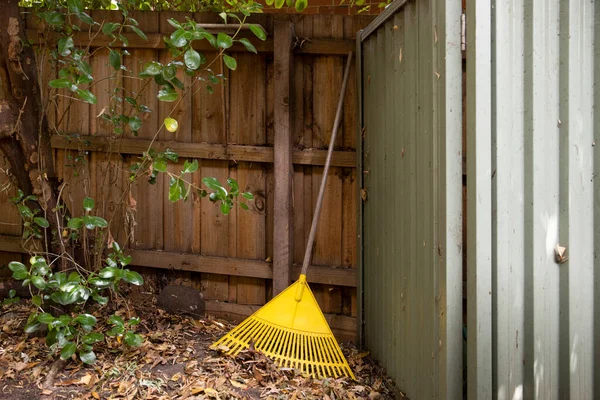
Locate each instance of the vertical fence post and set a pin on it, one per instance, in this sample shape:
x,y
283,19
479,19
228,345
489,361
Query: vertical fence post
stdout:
x,y
283,169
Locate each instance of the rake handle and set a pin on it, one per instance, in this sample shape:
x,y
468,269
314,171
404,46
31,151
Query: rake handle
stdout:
x,y
336,124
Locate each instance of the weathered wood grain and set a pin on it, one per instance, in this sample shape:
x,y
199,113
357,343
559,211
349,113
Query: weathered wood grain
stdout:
x,y
283,222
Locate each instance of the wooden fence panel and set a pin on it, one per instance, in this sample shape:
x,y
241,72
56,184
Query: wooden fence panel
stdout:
x,y
231,133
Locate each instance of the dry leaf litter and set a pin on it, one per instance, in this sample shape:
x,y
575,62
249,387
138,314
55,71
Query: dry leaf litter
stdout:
x,y
174,362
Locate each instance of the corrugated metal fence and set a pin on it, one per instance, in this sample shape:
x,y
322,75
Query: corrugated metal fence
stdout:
x,y
411,164
532,185
533,315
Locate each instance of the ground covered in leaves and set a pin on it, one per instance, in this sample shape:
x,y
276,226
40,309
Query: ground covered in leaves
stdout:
x,y
174,362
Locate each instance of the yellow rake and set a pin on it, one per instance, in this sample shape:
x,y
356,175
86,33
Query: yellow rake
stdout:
x,y
291,328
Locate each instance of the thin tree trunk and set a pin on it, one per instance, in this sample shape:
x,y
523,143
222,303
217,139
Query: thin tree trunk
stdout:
x,y
24,135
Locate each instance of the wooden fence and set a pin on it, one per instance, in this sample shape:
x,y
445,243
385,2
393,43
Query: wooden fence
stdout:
x,y
268,127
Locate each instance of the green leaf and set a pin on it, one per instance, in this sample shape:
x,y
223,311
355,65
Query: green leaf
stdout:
x,y
41,222
75,223
45,318
32,327
190,167
68,350
244,206
174,23
25,211
109,27
124,40
12,293
38,282
114,58
86,96
170,155
224,41
192,59
132,277
55,18
279,3
133,339
233,184
19,270
88,221
152,68
167,94
177,83
74,277
116,320
248,196
176,190
60,83
171,124
87,357
37,300
99,222
88,204
75,6
160,164
169,71
65,44
85,18
98,282
225,208
99,299
131,101
258,31
248,45
178,38
212,183
208,36
135,123
230,62
85,319
109,272
302,4
92,337
138,32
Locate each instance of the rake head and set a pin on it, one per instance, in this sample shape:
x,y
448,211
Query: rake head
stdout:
x,y
291,330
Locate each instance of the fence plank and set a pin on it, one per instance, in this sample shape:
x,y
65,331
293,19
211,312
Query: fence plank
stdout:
x,y
148,228
282,241
327,81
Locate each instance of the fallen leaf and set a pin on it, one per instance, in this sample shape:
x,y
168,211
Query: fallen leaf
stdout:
x,y
95,395
197,389
19,366
257,375
47,392
238,384
86,379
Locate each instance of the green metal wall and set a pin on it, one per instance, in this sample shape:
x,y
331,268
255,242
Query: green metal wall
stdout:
x,y
533,165
410,233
